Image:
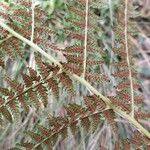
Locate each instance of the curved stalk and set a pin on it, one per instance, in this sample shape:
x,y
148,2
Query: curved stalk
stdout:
x,y
86,38
128,58
81,80
32,56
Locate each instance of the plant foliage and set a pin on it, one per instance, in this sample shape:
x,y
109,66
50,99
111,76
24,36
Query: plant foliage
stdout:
x,y
82,60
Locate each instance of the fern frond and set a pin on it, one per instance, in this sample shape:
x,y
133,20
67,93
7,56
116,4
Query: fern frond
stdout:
x,y
14,85
95,77
27,80
34,99
140,115
14,107
39,82
27,145
126,84
58,126
81,24
6,113
24,103
6,92
86,123
73,68
2,64
35,136
67,82
46,132
109,114
54,86
122,74
33,75
74,35
95,121
126,144
42,91
120,64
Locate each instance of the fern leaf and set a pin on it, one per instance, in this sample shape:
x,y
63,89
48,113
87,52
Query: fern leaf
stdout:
x,y
17,47
117,145
15,148
27,80
52,84
120,64
85,123
139,99
126,144
100,104
74,128
5,112
82,24
34,99
64,133
35,136
80,48
136,139
73,68
122,74
42,92
1,101
48,144
95,77
14,85
1,120
42,67
70,112
27,145
24,103
24,3
109,115
75,49
90,103
94,102
79,12
2,64
120,52
8,50
95,121
44,131
140,115
123,104
14,107
6,92
54,139
55,123
126,84
74,59
75,35
67,82
33,75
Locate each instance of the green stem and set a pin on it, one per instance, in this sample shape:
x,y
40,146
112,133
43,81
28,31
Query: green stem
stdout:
x,y
81,80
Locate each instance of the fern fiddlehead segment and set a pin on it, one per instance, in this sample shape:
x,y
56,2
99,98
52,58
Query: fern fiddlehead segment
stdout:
x,y
81,80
